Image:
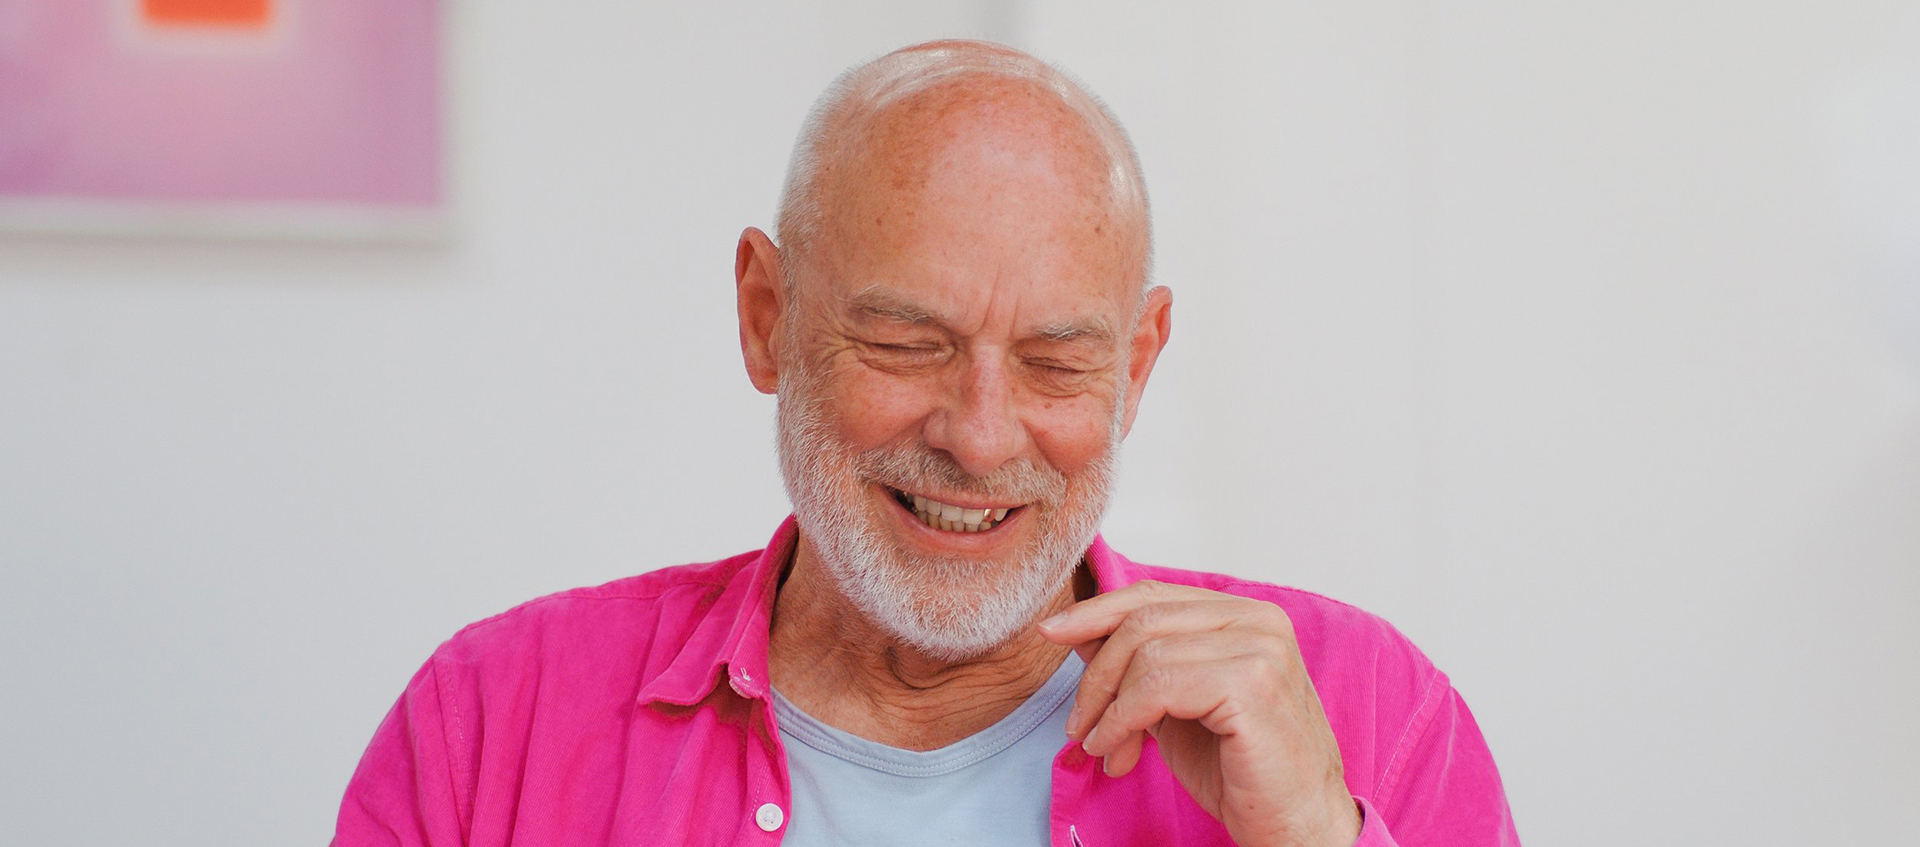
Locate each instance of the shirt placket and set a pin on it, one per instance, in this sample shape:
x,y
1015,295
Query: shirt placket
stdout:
x,y
769,792
1071,774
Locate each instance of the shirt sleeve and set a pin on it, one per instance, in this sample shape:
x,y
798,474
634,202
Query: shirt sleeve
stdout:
x,y
403,792
1441,789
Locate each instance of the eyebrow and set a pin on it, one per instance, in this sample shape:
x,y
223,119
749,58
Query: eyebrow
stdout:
x,y
877,303
1069,331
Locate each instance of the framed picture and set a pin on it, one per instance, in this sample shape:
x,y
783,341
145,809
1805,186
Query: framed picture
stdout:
x,y
290,118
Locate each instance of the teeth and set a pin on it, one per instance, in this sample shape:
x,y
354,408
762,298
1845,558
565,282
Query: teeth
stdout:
x,y
950,518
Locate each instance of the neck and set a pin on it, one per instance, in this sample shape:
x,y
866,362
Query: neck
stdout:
x,y
838,666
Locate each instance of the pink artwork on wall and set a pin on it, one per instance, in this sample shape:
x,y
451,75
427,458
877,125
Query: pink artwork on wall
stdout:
x,y
298,116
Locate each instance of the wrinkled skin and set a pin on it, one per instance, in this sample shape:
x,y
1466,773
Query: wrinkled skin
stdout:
x,y
976,290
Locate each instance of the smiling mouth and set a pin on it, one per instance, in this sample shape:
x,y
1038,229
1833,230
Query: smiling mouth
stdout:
x,y
948,517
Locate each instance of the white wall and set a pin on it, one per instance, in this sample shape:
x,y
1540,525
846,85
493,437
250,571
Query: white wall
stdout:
x,y
1529,328
1537,329
245,488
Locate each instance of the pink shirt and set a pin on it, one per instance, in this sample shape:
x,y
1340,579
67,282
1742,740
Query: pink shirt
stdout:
x,y
595,716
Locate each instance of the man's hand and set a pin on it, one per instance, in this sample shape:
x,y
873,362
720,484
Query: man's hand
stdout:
x,y
1218,681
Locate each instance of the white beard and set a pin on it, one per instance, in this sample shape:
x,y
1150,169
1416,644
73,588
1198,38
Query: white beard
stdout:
x,y
949,608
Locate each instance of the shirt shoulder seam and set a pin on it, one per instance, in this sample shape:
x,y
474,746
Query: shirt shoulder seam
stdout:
x,y
450,719
1423,717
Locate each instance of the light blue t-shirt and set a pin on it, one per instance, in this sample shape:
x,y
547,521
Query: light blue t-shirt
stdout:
x,y
990,788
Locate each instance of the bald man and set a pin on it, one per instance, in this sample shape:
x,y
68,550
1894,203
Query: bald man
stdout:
x,y
938,648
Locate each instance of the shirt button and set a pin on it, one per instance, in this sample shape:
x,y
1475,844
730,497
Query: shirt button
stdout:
x,y
769,817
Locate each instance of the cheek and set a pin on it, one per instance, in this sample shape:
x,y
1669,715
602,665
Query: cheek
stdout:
x,y
875,410
1073,432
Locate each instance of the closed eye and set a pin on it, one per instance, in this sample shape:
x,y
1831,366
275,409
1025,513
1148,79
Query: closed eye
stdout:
x,y
903,358
1055,377
1059,368
907,349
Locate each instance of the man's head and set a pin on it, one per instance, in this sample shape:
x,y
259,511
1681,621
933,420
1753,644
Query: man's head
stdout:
x,y
958,313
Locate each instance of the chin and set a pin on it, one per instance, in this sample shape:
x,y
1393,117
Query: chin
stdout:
x,y
948,608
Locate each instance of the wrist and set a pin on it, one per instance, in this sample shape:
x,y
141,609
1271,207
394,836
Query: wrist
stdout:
x,y
1338,826
1342,825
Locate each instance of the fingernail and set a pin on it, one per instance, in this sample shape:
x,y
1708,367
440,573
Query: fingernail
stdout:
x,y
1054,622
1106,766
1073,720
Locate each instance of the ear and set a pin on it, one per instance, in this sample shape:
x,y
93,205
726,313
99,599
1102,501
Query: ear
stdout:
x,y
1149,338
761,290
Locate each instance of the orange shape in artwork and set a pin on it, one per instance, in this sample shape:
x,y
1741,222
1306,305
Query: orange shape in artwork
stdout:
x,y
207,12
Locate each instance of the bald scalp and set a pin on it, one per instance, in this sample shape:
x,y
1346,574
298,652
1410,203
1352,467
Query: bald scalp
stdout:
x,y
893,124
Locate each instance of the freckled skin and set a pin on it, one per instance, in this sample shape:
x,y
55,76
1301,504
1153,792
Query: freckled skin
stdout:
x,y
985,201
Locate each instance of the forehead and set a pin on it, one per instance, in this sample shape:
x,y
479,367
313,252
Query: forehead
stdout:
x,y
985,195
1084,322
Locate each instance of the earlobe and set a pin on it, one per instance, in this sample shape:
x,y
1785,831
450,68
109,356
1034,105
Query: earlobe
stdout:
x,y
761,303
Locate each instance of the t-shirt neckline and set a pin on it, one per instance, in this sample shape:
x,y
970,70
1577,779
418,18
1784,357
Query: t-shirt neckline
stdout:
x,y
972,750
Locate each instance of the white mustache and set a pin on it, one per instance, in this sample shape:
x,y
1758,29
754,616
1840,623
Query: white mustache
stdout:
x,y
920,468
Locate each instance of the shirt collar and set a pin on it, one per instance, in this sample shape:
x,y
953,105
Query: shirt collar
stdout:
x,y
1111,571
732,636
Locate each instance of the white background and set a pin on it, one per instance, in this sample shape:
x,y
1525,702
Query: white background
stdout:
x,y
1558,334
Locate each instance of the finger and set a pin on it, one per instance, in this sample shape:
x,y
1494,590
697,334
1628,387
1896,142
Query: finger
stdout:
x,y
1158,657
1191,691
1100,614
1086,650
1120,762
1116,654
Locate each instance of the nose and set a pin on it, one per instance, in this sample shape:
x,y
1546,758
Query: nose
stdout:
x,y
977,423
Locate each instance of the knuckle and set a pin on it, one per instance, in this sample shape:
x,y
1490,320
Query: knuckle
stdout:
x,y
1100,678
1147,617
1272,644
1266,670
1151,653
1140,624
1267,673
1159,680
1093,688
1275,618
